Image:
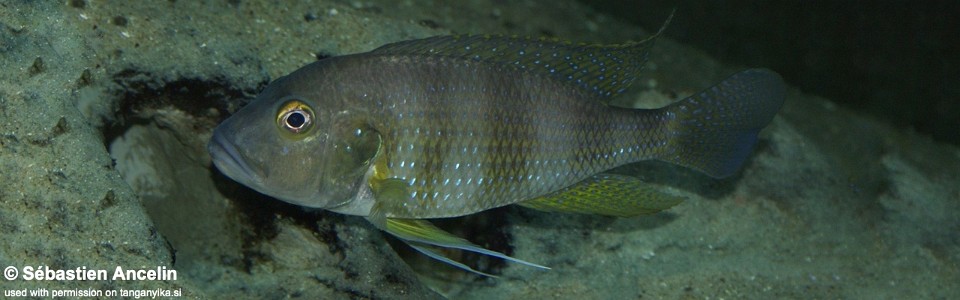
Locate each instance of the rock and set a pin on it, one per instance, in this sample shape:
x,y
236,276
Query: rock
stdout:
x,y
105,108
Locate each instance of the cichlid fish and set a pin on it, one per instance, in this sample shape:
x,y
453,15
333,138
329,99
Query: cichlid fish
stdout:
x,y
453,125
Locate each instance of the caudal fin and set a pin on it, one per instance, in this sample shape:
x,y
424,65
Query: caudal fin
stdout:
x,y
715,130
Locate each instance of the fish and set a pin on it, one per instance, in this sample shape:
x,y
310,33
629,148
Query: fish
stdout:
x,y
449,126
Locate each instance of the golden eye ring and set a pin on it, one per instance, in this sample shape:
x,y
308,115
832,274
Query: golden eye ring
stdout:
x,y
295,116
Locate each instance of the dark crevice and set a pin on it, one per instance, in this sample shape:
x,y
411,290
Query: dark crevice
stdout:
x,y
210,100
207,102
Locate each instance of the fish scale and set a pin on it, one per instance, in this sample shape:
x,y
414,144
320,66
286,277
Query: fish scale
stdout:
x,y
572,133
449,126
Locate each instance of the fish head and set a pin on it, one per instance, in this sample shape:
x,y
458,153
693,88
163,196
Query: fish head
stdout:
x,y
297,142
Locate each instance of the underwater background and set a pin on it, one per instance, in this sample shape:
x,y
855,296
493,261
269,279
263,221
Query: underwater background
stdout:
x,y
895,60
106,106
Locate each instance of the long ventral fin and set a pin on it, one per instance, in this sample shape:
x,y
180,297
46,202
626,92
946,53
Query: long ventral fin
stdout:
x,y
420,234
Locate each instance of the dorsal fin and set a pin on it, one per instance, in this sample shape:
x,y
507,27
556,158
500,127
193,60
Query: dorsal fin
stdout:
x,y
601,70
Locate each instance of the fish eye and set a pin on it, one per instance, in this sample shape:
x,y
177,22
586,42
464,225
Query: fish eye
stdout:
x,y
295,116
295,120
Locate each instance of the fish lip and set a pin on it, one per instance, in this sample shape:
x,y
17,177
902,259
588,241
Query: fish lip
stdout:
x,y
229,160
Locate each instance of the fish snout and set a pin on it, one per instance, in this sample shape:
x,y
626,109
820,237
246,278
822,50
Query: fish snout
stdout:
x,y
228,159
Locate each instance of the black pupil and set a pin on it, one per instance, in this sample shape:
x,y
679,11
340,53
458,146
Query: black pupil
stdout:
x,y
296,119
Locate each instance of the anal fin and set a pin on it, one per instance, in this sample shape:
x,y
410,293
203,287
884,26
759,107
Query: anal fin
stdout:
x,y
609,195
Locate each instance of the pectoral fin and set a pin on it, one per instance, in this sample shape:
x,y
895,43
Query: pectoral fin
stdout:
x,y
607,194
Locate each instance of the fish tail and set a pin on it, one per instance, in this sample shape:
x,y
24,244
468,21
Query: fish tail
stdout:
x,y
715,130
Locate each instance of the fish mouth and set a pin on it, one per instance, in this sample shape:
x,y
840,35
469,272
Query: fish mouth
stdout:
x,y
226,157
